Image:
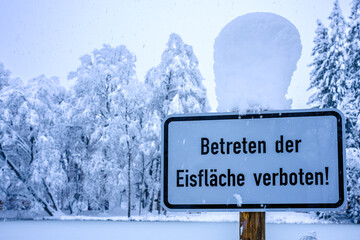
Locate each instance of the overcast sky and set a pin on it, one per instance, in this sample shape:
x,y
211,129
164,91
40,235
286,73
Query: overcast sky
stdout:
x,y
48,37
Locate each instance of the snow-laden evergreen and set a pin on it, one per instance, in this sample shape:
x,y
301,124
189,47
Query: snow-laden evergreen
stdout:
x,y
352,102
335,77
351,106
328,75
335,80
4,76
176,82
353,183
319,64
176,86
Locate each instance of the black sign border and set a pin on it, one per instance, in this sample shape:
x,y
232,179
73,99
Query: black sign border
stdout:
x,y
258,207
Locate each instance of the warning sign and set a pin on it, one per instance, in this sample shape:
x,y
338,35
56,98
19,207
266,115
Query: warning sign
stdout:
x,y
268,161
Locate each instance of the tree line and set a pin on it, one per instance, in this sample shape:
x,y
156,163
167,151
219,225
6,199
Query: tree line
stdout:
x,y
95,146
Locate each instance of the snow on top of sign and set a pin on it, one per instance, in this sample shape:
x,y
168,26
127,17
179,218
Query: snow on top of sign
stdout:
x,y
255,57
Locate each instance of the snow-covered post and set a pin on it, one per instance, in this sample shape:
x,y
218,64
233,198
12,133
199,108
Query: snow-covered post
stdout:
x,y
255,57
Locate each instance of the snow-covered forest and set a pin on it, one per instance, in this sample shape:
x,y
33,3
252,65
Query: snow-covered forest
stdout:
x,y
96,145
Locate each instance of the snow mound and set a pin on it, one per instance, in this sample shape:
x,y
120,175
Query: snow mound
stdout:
x,y
238,198
255,56
293,217
310,236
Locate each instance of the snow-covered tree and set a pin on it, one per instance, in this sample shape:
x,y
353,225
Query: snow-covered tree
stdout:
x,y
328,76
353,183
140,139
351,108
4,76
177,81
134,119
335,78
177,87
351,103
320,62
44,97
70,150
11,187
107,101
27,144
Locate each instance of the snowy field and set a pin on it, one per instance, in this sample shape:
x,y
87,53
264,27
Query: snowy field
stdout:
x,y
44,230
209,226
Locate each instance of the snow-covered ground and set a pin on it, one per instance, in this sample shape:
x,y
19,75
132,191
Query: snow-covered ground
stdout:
x,y
218,225
89,230
271,217
119,214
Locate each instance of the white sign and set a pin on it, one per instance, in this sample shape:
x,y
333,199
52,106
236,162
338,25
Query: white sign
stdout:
x,y
288,160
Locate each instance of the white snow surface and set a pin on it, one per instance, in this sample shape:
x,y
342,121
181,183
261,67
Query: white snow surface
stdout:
x,y
214,225
271,217
255,56
91,230
118,214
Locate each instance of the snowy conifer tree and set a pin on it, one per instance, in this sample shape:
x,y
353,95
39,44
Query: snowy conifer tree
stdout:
x,y
353,183
177,81
328,76
4,76
319,52
177,87
336,74
351,108
351,103
335,77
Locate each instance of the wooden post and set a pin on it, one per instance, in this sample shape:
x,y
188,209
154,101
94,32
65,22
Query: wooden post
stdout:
x,y
252,225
